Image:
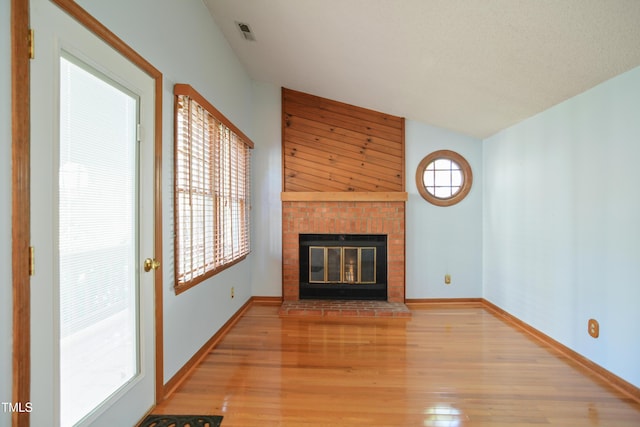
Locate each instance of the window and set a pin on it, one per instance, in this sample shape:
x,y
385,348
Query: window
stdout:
x,y
212,190
444,178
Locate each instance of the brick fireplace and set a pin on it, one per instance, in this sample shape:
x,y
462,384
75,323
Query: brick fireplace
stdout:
x,y
343,217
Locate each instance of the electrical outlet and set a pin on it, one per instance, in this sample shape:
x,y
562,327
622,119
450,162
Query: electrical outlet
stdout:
x,y
447,279
594,328
233,292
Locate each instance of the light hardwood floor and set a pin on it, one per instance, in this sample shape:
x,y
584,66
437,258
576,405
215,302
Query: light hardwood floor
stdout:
x,y
444,367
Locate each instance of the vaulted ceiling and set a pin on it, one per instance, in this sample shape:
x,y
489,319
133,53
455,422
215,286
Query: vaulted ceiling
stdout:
x,y
474,67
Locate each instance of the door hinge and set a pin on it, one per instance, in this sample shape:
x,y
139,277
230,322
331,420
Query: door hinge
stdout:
x,y
32,261
32,43
138,132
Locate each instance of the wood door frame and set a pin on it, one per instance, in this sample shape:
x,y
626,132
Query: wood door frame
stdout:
x,y
20,206
20,188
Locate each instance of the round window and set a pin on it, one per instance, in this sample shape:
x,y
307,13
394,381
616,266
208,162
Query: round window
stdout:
x,y
444,178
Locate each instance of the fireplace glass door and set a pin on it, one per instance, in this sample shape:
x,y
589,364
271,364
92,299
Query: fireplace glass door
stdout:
x,y
342,264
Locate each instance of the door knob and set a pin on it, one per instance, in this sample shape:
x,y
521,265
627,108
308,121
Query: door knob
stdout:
x,y
151,264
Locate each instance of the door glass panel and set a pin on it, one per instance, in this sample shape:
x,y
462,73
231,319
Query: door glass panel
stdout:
x,y
368,265
316,264
350,265
97,238
333,264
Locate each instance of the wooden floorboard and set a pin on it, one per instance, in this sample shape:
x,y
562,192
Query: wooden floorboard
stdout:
x,y
443,367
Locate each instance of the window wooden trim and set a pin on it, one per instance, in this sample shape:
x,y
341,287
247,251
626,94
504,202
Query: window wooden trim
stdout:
x,y
467,176
223,178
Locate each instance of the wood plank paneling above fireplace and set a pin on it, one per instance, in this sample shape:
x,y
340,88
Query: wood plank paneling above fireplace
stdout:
x,y
332,146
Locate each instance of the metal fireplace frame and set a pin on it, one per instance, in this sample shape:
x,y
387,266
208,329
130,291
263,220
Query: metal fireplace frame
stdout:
x,y
345,287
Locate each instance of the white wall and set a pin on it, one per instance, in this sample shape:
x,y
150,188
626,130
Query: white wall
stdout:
x,y
562,223
181,39
266,212
442,240
5,210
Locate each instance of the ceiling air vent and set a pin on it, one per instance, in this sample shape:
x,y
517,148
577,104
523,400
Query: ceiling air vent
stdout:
x,y
246,31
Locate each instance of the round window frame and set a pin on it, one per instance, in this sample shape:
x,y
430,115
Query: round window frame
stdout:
x,y
467,177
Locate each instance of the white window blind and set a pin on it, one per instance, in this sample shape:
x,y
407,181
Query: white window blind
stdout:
x,y
97,239
212,190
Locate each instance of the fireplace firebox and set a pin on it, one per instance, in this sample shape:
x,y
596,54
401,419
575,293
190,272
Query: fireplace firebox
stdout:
x,y
343,266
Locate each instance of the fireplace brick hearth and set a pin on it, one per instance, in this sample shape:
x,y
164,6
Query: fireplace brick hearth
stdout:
x,y
324,308
343,217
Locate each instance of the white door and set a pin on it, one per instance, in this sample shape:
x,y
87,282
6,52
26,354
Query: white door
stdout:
x,y
92,312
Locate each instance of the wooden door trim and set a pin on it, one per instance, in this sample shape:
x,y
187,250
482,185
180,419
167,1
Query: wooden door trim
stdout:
x,y
20,204
20,184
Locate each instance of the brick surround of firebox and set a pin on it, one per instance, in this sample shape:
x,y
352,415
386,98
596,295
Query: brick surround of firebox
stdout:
x,y
343,217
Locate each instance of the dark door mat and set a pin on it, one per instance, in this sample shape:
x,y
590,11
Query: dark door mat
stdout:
x,y
181,421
